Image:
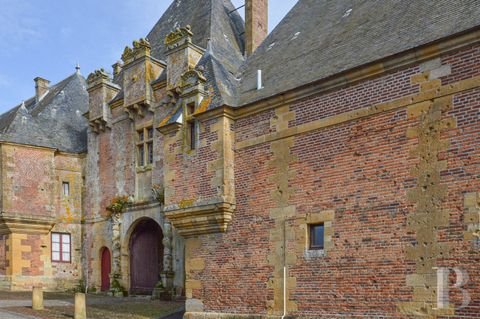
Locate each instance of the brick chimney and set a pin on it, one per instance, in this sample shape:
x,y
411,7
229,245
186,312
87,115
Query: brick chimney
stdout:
x,y
41,87
256,24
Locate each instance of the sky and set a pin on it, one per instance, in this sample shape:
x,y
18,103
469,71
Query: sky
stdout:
x,y
48,38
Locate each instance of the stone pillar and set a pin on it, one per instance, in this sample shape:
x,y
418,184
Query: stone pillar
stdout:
x,y
80,306
116,246
37,298
167,274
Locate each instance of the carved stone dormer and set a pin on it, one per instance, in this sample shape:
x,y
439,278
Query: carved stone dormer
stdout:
x,y
193,87
139,70
101,90
182,55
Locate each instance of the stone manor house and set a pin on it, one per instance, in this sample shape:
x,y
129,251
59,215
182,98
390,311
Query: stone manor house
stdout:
x,y
329,169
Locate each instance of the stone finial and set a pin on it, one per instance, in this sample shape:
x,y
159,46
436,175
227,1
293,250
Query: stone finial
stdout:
x,y
139,48
117,67
96,76
178,37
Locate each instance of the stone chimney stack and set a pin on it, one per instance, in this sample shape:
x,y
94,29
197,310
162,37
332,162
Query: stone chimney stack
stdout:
x,y
256,24
41,87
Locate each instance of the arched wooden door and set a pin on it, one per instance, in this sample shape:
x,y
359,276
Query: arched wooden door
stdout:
x,y
106,268
146,257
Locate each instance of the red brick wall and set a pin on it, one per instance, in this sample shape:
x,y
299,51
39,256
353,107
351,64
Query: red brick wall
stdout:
x,y
28,181
362,170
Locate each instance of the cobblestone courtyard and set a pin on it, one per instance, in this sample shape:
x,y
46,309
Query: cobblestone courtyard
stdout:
x,y
17,305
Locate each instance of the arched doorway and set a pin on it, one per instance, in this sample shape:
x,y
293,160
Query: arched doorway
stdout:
x,y
146,257
106,268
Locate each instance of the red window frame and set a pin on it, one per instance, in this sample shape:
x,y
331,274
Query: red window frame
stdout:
x,y
61,259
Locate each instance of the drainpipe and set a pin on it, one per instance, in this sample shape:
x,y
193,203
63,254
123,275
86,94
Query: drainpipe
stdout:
x,y
284,268
284,291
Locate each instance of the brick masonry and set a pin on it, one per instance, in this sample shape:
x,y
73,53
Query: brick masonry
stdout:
x,y
390,165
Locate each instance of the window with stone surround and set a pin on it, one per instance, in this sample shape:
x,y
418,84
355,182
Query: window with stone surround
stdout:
x,y
61,247
317,233
145,146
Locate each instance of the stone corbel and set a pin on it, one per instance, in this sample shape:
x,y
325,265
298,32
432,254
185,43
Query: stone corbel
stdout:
x,y
200,220
98,125
138,109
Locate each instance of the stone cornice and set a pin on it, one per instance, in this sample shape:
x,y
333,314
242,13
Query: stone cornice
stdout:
x,y
165,129
24,225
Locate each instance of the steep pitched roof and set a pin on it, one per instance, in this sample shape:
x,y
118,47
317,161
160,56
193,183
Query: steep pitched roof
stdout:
x,y
56,121
320,38
209,19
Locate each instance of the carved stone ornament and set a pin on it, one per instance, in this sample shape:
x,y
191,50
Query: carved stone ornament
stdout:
x,y
140,48
97,75
179,36
192,78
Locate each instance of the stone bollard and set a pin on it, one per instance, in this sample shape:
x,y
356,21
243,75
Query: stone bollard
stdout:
x,y
80,306
37,298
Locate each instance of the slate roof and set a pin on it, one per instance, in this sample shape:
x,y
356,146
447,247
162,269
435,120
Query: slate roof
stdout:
x,y
56,121
321,38
209,19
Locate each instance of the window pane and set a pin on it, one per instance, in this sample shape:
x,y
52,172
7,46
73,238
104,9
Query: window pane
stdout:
x,y
55,256
66,238
193,135
150,153
55,238
140,135
66,189
66,248
141,155
150,133
66,257
55,247
316,236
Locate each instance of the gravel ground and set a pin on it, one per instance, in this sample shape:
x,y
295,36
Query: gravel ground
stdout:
x,y
60,306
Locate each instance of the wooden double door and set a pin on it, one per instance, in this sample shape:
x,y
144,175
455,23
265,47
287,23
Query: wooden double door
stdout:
x,y
146,257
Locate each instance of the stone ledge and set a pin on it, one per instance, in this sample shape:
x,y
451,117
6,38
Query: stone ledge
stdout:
x,y
22,225
200,220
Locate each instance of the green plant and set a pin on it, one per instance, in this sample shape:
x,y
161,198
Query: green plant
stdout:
x,y
118,204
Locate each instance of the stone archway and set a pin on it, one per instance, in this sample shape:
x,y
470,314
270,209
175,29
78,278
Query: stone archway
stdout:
x,y
146,256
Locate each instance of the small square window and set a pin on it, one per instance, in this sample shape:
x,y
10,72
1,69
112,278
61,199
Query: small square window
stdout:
x,y
66,188
316,236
